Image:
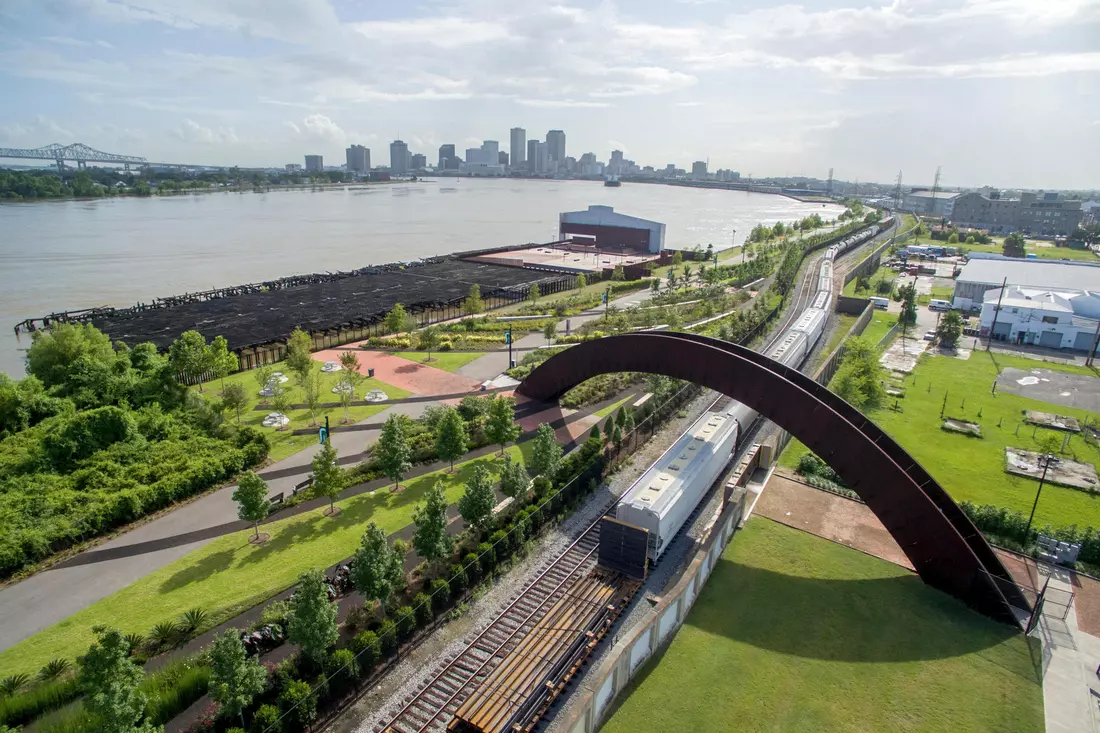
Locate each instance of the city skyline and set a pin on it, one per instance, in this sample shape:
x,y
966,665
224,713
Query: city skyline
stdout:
x,y
788,90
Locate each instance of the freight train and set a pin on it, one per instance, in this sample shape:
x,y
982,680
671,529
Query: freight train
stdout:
x,y
665,496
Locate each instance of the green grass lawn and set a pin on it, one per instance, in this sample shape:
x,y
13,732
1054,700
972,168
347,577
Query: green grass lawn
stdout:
x,y
882,273
611,408
880,324
796,633
843,325
283,442
448,361
1043,253
229,575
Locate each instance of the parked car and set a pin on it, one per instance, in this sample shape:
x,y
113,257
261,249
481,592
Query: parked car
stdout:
x,y
929,335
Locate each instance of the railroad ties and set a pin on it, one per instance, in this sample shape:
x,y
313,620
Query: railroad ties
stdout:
x,y
508,676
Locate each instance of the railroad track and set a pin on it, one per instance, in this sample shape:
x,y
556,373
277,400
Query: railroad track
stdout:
x,y
435,703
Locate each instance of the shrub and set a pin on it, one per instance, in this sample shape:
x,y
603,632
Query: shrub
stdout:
x,y
174,688
192,620
367,651
458,580
299,706
422,607
405,618
266,720
343,671
500,542
387,637
21,709
486,556
541,485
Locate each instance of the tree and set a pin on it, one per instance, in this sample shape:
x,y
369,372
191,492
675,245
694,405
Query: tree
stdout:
x,y
687,273
235,680
779,229
112,683
545,452
310,382
1014,245
549,332
473,303
392,450
677,258
312,616
234,398
428,340
376,569
264,376
533,293
954,238
514,480
582,281
252,502
53,352
654,285
617,436
618,274
190,356
859,380
222,361
397,319
328,479
298,348
476,505
908,315
450,437
950,329
500,426
282,403
431,540
349,363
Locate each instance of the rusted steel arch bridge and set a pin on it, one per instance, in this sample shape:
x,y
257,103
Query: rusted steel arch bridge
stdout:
x,y
947,550
78,152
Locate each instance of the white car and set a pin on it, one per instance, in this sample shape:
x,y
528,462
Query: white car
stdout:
x,y
929,335
275,420
331,366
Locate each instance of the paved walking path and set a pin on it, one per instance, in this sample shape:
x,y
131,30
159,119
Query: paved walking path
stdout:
x,y
1071,686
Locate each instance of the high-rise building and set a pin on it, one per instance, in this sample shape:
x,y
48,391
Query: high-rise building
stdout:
x,y
446,153
542,158
518,147
616,162
358,159
399,157
532,153
555,146
570,165
315,163
293,167
418,161
502,158
491,150
699,169
474,156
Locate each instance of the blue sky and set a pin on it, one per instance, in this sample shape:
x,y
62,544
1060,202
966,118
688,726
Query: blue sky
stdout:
x,y
998,92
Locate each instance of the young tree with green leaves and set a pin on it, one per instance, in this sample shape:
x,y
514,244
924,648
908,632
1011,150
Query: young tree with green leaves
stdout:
x,y
351,376
310,383
264,376
500,426
431,540
1015,245
533,293
190,356
392,450
428,340
234,398
473,303
397,319
252,502
235,679
312,616
655,285
52,353
450,436
687,273
677,258
514,480
376,569
476,505
908,317
859,380
223,362
298,348
328,479
545,452
618,274
582,281
950,329
112,683
282,404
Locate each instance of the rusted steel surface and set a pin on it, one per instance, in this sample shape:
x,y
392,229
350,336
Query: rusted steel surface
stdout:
x,y
517,693
905,499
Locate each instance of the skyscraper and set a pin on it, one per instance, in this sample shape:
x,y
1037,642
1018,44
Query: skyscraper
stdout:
x,y
446,153
555,146
358,159
490,151
315,163
519,147
616,162
399,157
502,158
418,161
532,154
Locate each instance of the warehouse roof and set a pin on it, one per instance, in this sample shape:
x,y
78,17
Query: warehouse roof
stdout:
x,y
608,217
1032,273
938,194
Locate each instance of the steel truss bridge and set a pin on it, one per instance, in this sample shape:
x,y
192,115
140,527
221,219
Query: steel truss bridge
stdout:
x,y
78,152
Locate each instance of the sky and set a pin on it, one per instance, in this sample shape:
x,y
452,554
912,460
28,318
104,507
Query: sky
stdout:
x,y
998,92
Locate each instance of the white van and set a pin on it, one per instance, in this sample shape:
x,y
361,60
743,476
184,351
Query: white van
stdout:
x,y
880,303
939,305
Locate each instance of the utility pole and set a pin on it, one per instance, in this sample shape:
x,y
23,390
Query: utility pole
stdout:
x,y
1046,459
1095,343
996,313
897,193
935,190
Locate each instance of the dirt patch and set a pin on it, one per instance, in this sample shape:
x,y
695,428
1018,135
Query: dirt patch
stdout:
x,y
830,516
1063,471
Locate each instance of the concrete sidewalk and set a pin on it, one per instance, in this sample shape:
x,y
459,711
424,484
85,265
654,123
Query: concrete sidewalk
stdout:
x,y
1071,686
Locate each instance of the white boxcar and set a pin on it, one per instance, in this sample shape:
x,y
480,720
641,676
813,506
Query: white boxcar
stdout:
x,y
791,349
666,494
812,323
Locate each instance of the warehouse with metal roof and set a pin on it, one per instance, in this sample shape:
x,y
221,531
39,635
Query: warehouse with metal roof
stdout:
x,y
986,273
605,229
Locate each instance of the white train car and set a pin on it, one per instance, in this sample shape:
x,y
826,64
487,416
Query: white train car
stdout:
x,y
791,349
666,494
812,323
825,277
821,300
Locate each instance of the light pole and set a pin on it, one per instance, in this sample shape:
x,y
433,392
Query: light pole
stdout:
x,y
1046,460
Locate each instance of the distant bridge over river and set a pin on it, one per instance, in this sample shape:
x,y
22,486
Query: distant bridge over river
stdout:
x,y
78,152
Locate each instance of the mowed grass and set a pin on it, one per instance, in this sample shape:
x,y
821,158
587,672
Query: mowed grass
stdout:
x,y
229,575
1042,251
448,361
604,412
796,633
972,469
283,442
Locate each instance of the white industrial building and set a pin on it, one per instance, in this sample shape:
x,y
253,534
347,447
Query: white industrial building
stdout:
x,y
931,203
1056,319
981,274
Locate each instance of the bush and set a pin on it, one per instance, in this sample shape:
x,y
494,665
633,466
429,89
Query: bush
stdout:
x,y
405,619
343,671
358,617
299,706
367,651
458,581
501,544
387,637
471,567
422,607
486,556
440,591
22,708
541,486
174,688
266,720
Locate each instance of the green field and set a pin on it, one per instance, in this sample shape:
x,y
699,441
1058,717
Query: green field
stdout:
x,y
1042,252
448,361
604,412
229,575
972,469
843,325
882,273
283,442
796,633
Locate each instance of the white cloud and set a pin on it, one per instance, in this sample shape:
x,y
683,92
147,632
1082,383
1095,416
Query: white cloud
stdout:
x,y
445,32
37,129
562,103
192,132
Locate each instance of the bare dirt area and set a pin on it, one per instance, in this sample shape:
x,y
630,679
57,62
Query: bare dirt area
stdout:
x,y
827,515
1030,574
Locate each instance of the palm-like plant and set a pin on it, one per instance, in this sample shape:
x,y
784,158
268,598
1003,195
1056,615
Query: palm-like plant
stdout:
x,y
135,641
13,683
192,619
164,634
53,669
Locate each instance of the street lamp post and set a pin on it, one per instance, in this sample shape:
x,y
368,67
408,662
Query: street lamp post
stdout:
x,y
1046,460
